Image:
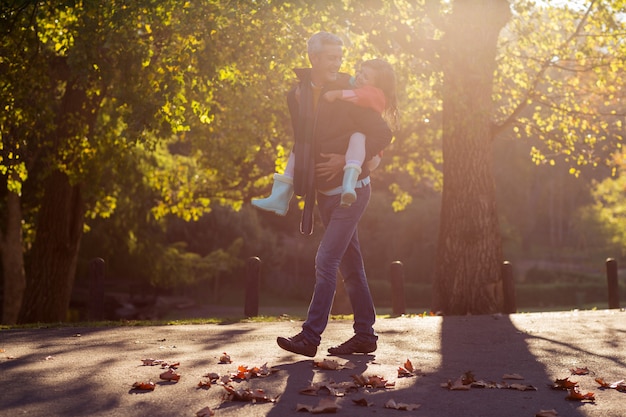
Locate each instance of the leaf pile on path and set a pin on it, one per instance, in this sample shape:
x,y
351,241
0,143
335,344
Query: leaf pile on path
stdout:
x,y
467,381
573,387
169,374
573,390
330,390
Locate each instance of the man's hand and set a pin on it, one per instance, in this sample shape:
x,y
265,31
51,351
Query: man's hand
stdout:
x,y
331,168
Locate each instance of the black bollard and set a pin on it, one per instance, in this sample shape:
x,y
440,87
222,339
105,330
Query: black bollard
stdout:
x,y
96,289
613,284
253,279
508,288
396,276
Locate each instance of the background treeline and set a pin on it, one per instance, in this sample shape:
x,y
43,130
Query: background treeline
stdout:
x,y
139,131
556,246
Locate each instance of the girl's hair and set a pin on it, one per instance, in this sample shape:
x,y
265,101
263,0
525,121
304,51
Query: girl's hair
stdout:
x,y
386,81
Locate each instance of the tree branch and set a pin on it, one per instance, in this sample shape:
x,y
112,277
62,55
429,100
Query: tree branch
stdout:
x,y
547,63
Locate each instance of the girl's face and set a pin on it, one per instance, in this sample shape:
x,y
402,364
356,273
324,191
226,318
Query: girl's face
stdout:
x,y
366,76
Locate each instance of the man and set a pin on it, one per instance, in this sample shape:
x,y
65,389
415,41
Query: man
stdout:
x,y
322,130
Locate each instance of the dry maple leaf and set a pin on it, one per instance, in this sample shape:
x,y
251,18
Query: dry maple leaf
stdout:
x,y
326,405
522,387
329,364
144,386
564,384
204,384
174,365
170,375
247,394
407,370
575,395
212,376
401,406
618,385
362,402
330,389
512,376
373,381
205,412
547,413
580,371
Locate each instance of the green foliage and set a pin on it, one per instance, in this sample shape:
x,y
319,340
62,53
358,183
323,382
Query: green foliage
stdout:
x,y
168,110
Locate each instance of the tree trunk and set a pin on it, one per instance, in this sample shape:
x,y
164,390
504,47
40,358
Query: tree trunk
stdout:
x,y
55,252
469,253
12,260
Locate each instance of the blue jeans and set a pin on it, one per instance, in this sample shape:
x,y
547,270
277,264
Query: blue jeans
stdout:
x,y
340,250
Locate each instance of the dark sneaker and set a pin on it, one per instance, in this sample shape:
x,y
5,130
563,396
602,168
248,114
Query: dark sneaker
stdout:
x,y
297,344
355,344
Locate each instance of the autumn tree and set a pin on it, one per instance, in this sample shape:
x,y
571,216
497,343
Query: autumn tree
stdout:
x,y
550,74
88,85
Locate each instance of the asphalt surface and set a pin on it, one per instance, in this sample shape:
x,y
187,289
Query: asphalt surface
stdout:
x,y
73,371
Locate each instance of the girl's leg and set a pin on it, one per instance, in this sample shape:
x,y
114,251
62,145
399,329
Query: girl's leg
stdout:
x,y
355,155
282,191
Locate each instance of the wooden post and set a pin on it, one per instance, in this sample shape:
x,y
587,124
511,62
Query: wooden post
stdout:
x,y
96,289
508,288
396,275
253,279
613,284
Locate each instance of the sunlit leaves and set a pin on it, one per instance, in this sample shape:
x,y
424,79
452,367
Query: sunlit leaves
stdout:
x,y
561,76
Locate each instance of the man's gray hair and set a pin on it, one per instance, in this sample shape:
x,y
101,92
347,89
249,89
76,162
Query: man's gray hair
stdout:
x,y
317,42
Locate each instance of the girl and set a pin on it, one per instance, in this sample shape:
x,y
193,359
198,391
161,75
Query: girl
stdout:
x,y
375,88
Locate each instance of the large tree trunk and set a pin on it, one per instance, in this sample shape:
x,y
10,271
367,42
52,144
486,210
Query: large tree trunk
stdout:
x,y
469,252
12,260
55,252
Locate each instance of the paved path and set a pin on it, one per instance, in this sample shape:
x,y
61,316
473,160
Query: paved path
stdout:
x,y
75,371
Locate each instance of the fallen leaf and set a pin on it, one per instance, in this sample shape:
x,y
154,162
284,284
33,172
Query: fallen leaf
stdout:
x,y
225,358
174,365
457,385
329,364
170,375
617,385
362,402
407,370
144,386
522,387
246,394
564,384
333,389
401,406
204,384
326,405
151,362
205,412
212,376
575,395
512,376
373,381
580,371
547,413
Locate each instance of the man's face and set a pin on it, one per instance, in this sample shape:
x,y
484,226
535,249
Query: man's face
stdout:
x,y
325,64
